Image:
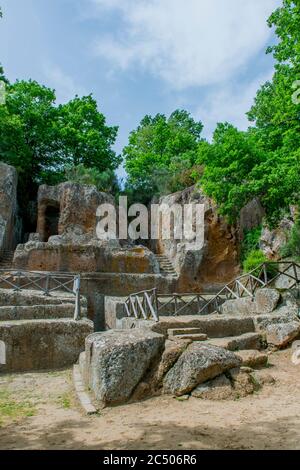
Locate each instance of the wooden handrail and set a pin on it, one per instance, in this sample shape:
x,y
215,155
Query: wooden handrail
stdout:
x,y
245,285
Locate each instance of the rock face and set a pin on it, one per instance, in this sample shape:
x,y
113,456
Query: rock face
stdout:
x,y
272,241
69,209
66,238
282,334
117,360
213,261
8,207
265,301
251,216
198,364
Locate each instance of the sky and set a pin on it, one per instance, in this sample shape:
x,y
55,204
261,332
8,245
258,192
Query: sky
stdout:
x,y
141,57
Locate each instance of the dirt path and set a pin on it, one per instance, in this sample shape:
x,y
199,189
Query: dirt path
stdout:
x,y
39,411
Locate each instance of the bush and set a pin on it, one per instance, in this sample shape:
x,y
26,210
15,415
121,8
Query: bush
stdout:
x,y
250,242
104,181
253,260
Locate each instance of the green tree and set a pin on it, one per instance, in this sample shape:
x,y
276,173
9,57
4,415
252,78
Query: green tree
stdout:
x,y
105,181
40,138
84,137
157,149
263,162
229,162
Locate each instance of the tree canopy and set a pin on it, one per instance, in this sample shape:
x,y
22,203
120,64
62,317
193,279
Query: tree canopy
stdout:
x,y
160,148
40,138
263,162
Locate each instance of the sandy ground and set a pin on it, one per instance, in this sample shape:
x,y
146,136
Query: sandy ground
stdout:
x,y
269,419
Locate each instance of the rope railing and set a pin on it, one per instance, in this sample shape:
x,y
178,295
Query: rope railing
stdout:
x,y
46,282
246,285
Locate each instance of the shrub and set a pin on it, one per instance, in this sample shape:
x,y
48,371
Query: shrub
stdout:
x,y
250,242
104,181
253,259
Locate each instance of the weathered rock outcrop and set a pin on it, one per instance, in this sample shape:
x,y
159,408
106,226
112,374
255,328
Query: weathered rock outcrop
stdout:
x,y
273,240
8,208
213,261
117,360
69,210
282,334
197,364
66,238
251,216
265,301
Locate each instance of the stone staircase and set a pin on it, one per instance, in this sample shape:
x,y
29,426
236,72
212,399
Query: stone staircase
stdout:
x,y
236,334
166,266
39,332
6,259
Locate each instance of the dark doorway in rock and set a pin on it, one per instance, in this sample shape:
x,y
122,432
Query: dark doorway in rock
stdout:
x,y
51,221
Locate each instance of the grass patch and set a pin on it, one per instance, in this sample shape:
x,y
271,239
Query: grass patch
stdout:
x,y
13,410
65,401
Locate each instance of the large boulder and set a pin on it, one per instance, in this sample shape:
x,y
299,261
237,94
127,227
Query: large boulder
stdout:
x,y
281,334
266,300
217,389
117,360
9,230
173,350
197,364
253,358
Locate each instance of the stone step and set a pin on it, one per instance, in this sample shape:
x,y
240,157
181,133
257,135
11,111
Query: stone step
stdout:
x,y
253,358
38,312
26,297
254,341
213,325
191,336
183,331
43,344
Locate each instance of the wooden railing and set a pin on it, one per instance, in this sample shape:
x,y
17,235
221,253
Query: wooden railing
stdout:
x,y
246,285
142,305
45,282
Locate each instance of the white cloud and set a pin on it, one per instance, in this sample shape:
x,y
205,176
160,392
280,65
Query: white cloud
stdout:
x,y
65,86
185,42
229,103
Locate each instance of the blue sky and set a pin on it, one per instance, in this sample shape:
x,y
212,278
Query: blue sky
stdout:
x,y
141,57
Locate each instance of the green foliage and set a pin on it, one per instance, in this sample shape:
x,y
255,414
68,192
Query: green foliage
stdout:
x,y
84,137
250,242
292,248
253,259
263,162
13,410
160,153
229,163
40,139
104,181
